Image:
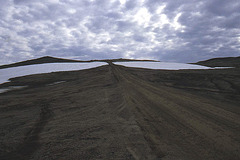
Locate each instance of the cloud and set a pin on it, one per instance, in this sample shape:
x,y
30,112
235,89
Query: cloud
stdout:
x,y
167,30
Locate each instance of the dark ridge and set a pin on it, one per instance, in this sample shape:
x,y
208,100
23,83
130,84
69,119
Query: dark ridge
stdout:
x,y
125,60
221,62
48,59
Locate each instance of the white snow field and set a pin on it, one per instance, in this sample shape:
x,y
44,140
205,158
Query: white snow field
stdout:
x,y
12,72
161,65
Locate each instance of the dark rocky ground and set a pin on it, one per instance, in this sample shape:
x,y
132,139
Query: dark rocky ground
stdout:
x,y
114,112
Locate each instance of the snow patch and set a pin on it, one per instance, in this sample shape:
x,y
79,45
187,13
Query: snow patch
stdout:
x,y
161,65
54,83
221,67
2,90
8,73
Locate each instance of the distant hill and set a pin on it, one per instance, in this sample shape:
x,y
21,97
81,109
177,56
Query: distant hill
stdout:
x,y
48,59
221,62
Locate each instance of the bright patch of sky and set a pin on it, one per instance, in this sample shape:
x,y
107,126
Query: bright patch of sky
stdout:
x,y
122,2
142,17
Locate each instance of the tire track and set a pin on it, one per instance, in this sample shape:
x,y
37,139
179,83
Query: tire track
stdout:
x,y
31,141
171,120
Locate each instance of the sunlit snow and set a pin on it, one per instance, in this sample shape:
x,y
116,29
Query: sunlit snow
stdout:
x,y
8,73
161,65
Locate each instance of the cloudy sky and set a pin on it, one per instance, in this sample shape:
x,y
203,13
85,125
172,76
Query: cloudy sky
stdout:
x,y
166,30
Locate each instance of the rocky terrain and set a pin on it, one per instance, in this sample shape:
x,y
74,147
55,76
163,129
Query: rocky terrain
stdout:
x,y
115,112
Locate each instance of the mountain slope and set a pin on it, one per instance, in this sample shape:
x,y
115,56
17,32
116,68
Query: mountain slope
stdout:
x,y
221,62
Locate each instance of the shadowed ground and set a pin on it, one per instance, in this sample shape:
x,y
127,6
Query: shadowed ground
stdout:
x,y
114,112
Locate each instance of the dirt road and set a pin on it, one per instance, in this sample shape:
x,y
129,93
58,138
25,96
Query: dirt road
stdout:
x,y
114,112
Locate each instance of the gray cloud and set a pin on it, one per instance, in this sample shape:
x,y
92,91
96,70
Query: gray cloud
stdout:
x,y
168,30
